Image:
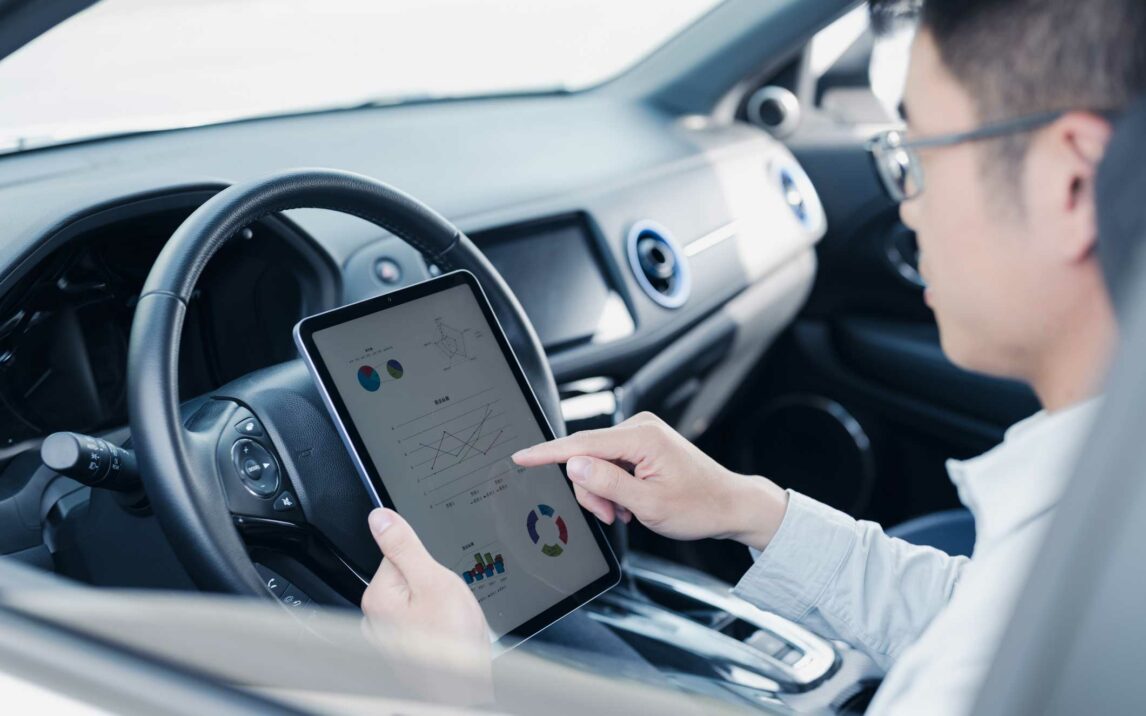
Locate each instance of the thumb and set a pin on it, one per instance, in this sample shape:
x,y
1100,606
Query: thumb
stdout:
x,y
401,547
603,478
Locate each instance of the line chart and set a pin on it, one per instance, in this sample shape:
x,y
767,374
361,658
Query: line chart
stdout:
x,y
469,434
458,453
454,445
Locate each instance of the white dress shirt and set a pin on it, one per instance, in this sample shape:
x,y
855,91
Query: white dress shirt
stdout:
x,y
932,620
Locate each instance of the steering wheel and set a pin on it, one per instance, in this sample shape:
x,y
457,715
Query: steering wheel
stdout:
x,y
195,459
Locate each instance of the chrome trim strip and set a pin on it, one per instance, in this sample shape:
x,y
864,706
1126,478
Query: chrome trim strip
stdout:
x,y
712,238
819,658
733,660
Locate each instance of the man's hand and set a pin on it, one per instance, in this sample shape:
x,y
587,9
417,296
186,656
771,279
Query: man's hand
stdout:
x,y
644,467
429,614
411,590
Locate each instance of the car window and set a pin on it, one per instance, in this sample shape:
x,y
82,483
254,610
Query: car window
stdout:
x,y
859,64
126,65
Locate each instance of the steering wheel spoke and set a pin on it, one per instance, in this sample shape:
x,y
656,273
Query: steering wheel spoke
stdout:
x,y
261,497
308,548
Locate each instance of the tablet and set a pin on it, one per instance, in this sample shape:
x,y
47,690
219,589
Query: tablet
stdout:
x,y
431,403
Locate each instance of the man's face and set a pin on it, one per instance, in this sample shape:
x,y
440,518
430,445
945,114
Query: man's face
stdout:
x,y
975,244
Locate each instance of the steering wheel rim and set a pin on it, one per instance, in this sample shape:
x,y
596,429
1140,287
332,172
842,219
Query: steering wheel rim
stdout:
x,y
188,500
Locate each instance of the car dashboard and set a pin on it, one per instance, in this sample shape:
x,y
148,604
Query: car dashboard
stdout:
x,y
620,229
657,257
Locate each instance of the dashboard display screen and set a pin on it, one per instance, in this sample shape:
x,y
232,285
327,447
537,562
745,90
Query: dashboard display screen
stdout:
x,y
433,404
558,258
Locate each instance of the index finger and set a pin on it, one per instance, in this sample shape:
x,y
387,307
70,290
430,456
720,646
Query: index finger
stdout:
x,y
621,442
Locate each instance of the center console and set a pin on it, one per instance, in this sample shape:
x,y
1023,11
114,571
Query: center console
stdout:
x,y
691,627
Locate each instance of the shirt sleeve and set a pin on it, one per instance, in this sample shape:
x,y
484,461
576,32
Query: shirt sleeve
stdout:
x,y
845,579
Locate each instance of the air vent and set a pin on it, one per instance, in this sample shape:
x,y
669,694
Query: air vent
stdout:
x,y
793,197
658,264
775,109
797,192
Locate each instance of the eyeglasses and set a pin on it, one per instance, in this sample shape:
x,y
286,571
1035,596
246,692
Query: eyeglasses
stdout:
x,y
897,158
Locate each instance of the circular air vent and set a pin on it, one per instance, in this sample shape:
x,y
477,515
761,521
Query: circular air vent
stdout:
x,y
658,264
775,109
798,193
793,196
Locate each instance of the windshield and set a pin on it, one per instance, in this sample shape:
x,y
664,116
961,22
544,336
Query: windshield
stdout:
x,y
132,65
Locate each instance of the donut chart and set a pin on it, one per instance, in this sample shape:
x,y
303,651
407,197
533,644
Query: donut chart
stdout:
x,y
550,550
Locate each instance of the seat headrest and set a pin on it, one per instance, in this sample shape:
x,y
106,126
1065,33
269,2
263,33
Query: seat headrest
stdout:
x,y
1120,193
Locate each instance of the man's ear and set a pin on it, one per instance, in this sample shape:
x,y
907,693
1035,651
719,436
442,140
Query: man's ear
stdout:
x,y
1072,149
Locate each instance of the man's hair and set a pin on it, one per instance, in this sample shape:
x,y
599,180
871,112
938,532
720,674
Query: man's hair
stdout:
x,y
1019,57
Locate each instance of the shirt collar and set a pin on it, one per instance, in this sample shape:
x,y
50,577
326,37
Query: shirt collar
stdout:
x,y
1025,474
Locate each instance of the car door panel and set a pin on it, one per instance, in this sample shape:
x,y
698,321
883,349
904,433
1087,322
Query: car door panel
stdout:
x,y
907,357
866,350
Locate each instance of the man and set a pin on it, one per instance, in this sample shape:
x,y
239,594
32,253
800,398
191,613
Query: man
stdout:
x,y
1007,105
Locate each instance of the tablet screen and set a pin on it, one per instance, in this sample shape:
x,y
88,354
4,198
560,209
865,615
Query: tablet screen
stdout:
x,y
438,409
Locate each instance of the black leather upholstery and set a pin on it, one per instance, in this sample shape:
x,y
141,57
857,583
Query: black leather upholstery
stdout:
x,y
186,496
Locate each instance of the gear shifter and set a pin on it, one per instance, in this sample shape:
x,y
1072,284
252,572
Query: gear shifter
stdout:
x,y
687,622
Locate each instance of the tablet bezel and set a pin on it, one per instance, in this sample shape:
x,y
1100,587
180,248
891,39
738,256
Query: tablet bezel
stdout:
x,y
304,338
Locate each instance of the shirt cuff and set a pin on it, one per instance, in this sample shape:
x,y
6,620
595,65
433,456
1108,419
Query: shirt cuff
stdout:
x,y
792,573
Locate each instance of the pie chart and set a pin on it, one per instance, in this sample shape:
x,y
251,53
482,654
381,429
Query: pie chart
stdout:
x,y
394,368
554,549
369,379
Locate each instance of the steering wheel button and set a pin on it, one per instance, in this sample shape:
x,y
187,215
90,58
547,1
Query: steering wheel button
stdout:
x,y
294,597
276,585
250,426
256,467
284,502
252,469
